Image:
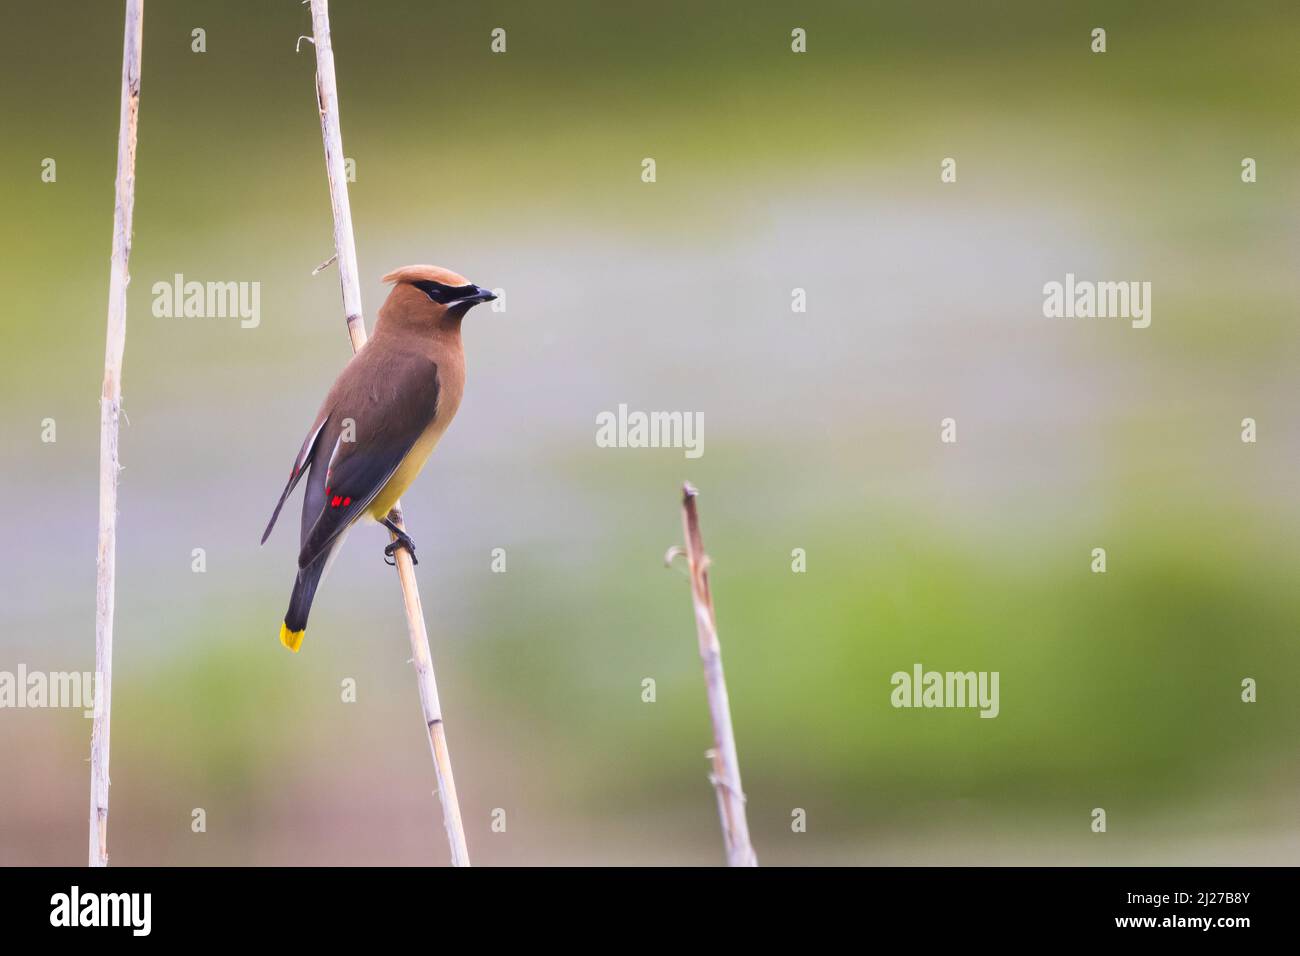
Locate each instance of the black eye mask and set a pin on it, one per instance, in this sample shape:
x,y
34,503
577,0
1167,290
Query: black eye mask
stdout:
x,y
442,294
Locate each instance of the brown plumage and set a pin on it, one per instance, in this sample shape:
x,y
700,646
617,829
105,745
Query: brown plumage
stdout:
x,y
378,424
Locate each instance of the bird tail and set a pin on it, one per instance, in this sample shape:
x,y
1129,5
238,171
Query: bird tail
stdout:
x,y
304,592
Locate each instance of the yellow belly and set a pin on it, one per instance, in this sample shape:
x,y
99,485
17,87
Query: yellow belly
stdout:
x,y
407,470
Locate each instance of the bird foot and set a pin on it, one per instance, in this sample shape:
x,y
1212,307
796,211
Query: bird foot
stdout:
x,y
403,541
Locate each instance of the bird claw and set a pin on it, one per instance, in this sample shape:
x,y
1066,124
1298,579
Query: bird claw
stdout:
x,y
404,541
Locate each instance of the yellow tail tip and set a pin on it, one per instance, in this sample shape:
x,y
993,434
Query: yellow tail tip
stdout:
x,y
291,639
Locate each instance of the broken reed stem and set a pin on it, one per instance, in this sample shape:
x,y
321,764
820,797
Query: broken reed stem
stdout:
x,y
346,250
726,766
110,407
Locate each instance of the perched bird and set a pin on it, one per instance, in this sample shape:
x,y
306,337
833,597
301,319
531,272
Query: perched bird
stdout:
x,y
378,424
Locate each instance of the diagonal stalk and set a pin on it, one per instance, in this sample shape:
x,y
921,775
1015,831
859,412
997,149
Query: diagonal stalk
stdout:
x,y
345,246
726,765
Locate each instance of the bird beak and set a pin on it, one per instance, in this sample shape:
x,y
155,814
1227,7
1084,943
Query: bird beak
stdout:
x,y
479,294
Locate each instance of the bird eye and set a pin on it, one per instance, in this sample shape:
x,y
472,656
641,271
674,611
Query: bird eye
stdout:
x,y
442,294
434,290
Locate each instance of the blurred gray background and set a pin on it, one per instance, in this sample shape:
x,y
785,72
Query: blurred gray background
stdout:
x,y
775,171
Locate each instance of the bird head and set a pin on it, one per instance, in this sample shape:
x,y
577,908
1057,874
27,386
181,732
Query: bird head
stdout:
x,y
432,293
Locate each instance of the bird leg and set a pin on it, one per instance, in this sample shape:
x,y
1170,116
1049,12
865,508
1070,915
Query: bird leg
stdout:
x,y
403,541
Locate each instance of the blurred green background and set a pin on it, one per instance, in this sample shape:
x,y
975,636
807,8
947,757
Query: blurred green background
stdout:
x,y
775,171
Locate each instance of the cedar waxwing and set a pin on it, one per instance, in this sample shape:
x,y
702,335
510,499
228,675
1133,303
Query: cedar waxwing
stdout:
x,y
378,424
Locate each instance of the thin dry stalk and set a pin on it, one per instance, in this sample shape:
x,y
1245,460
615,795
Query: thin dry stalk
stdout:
x,y
110,407
346,250
726,766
